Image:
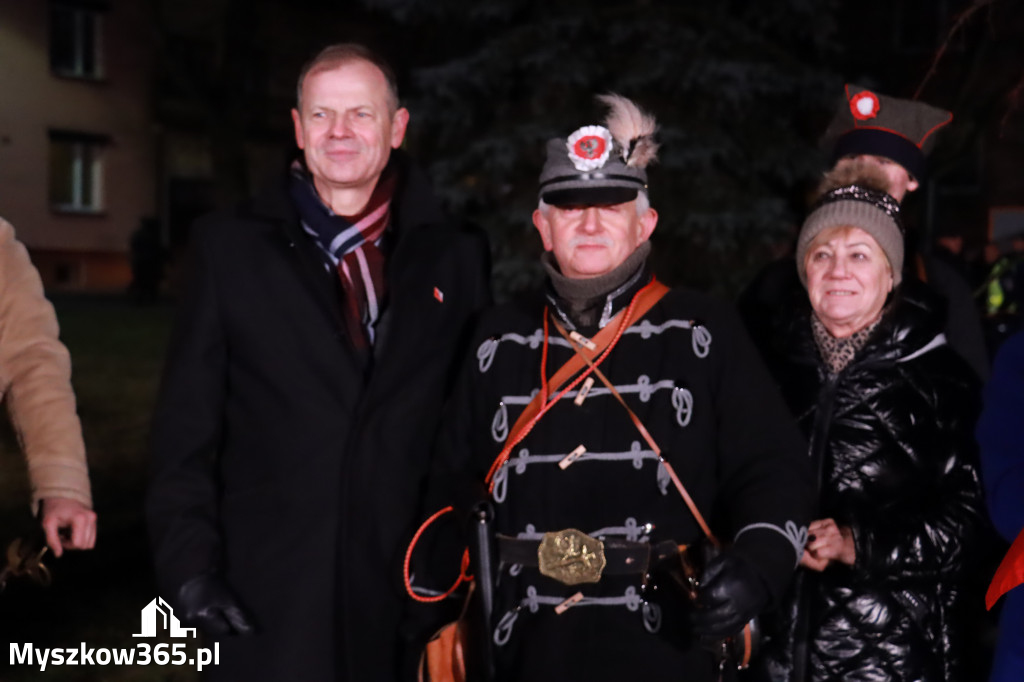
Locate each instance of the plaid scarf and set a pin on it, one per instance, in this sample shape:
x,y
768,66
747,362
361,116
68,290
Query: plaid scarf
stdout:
x,y
353,244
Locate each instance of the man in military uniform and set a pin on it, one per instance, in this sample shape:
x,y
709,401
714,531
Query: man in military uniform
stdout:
x,y
588,410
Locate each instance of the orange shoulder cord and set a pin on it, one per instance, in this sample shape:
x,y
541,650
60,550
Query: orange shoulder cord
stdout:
x,y
646,436
747,633
517,437
654,287
408,558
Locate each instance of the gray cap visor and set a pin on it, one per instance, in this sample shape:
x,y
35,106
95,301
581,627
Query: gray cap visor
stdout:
x,y
589,196
598,187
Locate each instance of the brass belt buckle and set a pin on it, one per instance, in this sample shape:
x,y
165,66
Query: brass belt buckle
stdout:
x,y
571,557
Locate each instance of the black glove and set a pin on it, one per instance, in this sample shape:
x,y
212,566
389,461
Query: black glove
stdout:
x,y
209,604
730,594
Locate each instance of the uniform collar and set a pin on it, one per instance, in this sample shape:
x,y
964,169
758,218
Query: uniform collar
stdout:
x,y
591,303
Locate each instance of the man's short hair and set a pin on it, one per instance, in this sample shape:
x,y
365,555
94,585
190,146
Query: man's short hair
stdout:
x,y
339,54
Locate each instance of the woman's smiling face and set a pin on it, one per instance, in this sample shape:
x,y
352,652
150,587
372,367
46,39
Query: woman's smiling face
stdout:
x,y
848,279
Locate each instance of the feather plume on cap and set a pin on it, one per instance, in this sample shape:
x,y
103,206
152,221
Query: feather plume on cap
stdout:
x,y
632,128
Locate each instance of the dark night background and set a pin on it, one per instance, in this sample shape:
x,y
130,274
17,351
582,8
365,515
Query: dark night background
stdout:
x,y
741,88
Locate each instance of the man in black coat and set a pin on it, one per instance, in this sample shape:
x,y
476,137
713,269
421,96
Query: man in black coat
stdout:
x,y
586,507
314,344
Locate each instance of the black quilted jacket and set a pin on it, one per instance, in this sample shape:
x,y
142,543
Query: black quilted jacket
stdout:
x,y
890,437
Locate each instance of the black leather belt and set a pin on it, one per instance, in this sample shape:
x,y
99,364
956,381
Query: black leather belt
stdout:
x,y
573,557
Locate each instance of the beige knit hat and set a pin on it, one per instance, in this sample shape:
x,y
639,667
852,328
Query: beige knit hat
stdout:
x,y
869,209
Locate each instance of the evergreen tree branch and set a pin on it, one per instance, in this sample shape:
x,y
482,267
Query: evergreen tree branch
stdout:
x,y
1013,99
958,24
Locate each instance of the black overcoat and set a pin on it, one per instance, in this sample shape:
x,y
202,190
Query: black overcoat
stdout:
x,y
283,461
891,439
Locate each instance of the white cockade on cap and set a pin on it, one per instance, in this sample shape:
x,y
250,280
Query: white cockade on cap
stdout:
x,y
864,106
589,147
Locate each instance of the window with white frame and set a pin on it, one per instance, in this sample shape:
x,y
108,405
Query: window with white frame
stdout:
x,y
76,171
76,33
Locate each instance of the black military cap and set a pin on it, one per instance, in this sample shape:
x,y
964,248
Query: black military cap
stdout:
x,y
867,122
601,164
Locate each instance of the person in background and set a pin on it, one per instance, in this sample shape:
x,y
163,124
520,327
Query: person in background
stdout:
x,y
892,138
1000,436
952,248
888,408
317,334
35,382
1002,289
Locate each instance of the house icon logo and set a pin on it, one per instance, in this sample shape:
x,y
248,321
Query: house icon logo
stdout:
x,y
158,615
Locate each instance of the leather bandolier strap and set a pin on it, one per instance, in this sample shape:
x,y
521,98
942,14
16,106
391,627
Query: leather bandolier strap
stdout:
x,y
602,344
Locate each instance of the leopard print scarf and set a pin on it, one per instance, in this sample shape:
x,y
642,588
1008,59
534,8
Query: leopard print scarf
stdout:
x,y
837,353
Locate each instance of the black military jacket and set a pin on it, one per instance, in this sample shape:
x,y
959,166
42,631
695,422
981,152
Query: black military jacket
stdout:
x,y
689,372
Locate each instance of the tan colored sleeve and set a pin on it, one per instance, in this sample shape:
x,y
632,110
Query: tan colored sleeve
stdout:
x,y
35,379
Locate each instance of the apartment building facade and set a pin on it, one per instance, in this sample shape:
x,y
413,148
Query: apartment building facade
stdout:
x,y
77,139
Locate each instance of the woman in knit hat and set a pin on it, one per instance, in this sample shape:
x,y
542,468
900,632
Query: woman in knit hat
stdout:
x,y
888,409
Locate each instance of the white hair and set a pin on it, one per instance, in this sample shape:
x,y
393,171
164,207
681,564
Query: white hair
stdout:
x,y
643,202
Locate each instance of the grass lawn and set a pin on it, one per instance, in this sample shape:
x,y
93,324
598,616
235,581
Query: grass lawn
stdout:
x,y
117,353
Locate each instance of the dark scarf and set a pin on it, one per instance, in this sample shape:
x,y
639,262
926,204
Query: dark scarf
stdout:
x,y
354,242
587,302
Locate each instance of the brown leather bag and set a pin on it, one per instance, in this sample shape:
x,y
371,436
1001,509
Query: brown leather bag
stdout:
x,y
444,657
